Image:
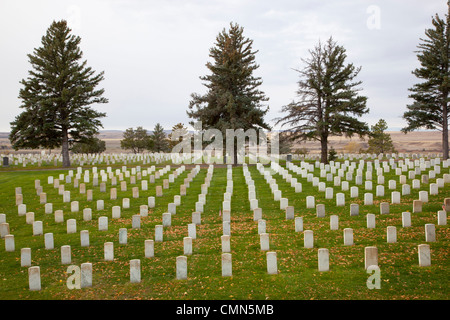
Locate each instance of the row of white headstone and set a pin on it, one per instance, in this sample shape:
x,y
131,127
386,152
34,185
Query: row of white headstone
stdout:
x,y
82,159
34,272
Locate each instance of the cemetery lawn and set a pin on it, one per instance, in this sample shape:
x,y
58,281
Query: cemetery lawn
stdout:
x,y
298,276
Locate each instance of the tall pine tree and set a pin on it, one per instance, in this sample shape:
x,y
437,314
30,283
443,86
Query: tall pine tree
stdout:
x,y
329,103
56,96
233,100
430,108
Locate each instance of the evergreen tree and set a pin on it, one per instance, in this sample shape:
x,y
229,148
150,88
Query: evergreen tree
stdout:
x,y
159,139
92,145
136,140
57,95
430,108
379,141
329,102
181,131
233,100
332,154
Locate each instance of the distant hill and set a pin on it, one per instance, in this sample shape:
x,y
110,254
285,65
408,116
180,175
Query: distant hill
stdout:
x,y
418,141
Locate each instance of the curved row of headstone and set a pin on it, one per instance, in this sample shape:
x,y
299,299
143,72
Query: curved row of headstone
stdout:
x,y
55,159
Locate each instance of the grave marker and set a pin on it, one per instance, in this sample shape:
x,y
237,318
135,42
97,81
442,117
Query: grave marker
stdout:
x,y
159,233
86,275
226,245
430,232
272,267
108,251
181,267
227,269
48,241
264,241
34,278
149,248
25,257
391,234
298,224
424,255
348,237
406,219
84,238
308,239
370,256
323,259
135,271
334,222
320,210
66,257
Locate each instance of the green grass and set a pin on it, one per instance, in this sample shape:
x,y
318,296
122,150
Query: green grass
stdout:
x,y
298,278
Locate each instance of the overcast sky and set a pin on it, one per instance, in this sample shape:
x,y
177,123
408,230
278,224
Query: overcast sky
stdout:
x,y
153,52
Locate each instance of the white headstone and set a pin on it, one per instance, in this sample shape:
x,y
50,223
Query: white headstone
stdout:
x,y
116,212
192,230
323,259
123,236
334,222
406,219
308,239
430,232
102,223
272,267
348,237
226,245
264,241
158,233
424,255
48,241
310,202
135,271
227,269
86,275
84,238
34,278
108,251
340,199
261,226
187,245
391,234
370,217
370,256
368,199
71,226
66,256
25,257
181,267
149,248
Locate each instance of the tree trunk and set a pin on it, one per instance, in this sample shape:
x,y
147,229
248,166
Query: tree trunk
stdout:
x,y
445,143
324,150
445,125
445,135
65,149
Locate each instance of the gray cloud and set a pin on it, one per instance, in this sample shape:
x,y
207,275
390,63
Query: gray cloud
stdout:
x,y
153,52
